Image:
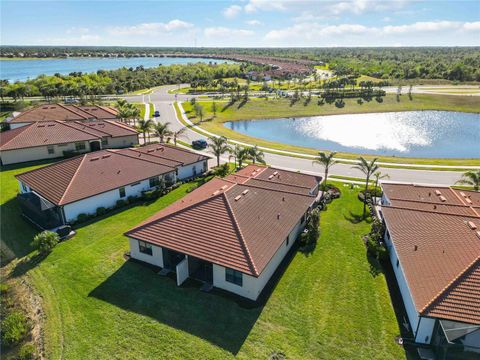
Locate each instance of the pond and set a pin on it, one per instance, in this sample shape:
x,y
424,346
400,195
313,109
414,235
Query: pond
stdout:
x,y
425,134
14,70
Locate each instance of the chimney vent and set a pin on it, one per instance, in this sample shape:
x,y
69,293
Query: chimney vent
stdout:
x,y
472,225
442,198
438,192
415,248
245,192
238,197
278,216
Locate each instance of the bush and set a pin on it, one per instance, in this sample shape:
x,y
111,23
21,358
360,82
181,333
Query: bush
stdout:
x,y
222,170
4,289
101,211
151,194
131,199
14,328
27,352
45,241
82,217
374,241
121,203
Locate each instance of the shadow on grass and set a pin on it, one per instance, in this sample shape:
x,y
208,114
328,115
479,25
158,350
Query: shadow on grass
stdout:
x,y
357,218
242,103
27,263
227,105
376,267
219,317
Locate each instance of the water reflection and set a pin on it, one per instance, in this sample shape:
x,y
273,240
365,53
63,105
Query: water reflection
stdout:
x,y
415,133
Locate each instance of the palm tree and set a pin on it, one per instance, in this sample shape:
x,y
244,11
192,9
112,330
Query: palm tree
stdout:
x,y
144,126
255,154
378,176
368,168
239,154
471,178
162,130
219,147
327,161
179,133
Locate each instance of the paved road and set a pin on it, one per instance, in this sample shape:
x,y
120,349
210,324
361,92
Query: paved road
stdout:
x,y
164,103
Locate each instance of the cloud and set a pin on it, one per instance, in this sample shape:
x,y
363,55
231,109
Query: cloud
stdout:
x,y
253,22
220,32
150,28
232,11
472,26
77,30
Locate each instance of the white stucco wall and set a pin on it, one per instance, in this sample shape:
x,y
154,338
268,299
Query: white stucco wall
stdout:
x,y
252,286
107,199
185,172
425,328
155,259
17,125
37,153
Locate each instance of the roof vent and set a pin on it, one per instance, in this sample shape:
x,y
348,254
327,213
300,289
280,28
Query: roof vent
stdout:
x,y
94,159
118,172
468,200
270,177
463,194
278,216
434,207
438,192
275,173
283,198
216,192
245,192
478,234
238,197
106,156
472,225
150,150
415,248
442,198
223,187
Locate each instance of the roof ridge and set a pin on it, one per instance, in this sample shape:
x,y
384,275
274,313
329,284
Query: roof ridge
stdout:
x,y
72,178
108,109
276,190
85,111
429,211
79,122
268,181
75,128
450,284
120,124
68,109
53,164
119,152
242,238
179,148
21,131
457,196
161,157
427,202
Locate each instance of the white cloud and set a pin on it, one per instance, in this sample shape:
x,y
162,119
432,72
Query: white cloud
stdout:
x,y
253,22
472,26
422,26
150,28
387,19
77,30
222,32
232,11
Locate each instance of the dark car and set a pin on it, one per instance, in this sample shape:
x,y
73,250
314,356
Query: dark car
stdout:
x,y
199,144
156,114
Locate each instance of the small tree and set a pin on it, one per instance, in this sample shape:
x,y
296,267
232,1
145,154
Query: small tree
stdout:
x,y
214,109
471,178
219,146
256,155
14,328
45,241
368,168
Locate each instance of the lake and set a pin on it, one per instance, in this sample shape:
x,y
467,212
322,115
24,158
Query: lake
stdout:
x,y
14,70
426,134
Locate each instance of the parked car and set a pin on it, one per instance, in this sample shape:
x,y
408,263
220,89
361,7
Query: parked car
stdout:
x,y
199,144
156,114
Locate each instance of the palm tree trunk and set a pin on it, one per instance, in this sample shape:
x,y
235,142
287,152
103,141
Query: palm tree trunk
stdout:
x,y
218,160
365,198
144,137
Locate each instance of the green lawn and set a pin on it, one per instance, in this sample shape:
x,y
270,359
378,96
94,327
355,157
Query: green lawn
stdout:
x,y
264,109
141,108
327,305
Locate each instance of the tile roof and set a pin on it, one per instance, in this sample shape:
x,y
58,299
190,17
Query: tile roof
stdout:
x,y
438,246
61,132
169,152
89,174
240,226
52,112
42,133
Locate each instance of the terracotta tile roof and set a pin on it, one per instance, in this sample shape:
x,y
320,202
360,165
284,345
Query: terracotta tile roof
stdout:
x,y
235,225
104,128
439,195
435,249
89,174
169,152
435,207
60,112
42,133
471,198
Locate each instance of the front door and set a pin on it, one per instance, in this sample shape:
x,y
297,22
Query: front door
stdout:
x,y
95,146
171,258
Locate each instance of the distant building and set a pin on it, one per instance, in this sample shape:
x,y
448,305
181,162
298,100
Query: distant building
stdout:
x,y
231,233
57,194
433,238
53,139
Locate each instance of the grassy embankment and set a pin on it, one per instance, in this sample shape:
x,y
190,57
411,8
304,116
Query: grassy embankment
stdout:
x,y
331,304
267,109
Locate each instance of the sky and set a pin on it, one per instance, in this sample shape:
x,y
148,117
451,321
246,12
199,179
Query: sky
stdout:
x,y
241,23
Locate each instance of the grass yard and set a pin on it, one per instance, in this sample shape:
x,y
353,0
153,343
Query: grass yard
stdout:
x,y
264,109
327,305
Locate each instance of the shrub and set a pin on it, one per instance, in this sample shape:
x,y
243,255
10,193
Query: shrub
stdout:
x,y
45,241
4,289
222,170
121,203
131,199
82,217
151,194
101,211
374,241
310,236
27,352
14,328
190,189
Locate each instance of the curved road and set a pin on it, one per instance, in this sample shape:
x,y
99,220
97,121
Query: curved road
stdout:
x,y
163,102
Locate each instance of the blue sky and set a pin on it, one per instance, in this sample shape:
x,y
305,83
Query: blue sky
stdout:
x,y
247,23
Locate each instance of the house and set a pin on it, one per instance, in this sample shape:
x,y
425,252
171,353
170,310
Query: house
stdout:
x,y
231,233
58,193
433,238
60,112
53,139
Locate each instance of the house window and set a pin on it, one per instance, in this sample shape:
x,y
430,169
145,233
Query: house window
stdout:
x,y
304,217
205,166
50,149
104,141
176,171
24,187
122,192
144,247
398,262
194,170
79,146
288,240
154,181
233,276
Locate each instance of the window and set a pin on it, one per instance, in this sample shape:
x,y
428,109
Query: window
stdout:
x,y
24,187
154,181
176,171
398,262
79,146
122,192
144,247
50,149
233,276
104,141
194,170
304,217
205,166
288,239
